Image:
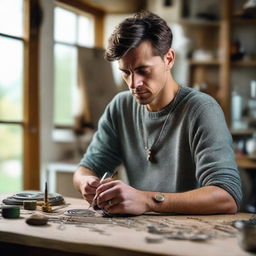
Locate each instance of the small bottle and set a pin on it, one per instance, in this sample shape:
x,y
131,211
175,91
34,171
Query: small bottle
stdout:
x,y
251,146
252,100
253,89
236,111
236,106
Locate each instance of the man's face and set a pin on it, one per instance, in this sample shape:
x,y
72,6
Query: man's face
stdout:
x,y
145,74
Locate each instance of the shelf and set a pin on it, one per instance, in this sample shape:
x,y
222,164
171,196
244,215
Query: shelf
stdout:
x,y
245,162
216,36
197,22
246,132
244,63
204,63
241,21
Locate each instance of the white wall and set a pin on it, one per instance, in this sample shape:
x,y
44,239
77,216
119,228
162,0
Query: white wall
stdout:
x,y
110,22
169,13
180,43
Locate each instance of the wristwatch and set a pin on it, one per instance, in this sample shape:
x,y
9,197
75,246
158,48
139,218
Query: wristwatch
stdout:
x,y
159,197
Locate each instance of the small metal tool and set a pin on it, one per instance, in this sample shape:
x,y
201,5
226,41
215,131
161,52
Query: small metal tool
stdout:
x,y
93,201
103,177
46,207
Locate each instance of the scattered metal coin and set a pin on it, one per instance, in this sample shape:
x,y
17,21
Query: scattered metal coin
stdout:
x,y
61,226
80,212
156,229
199,237
154,240
189,237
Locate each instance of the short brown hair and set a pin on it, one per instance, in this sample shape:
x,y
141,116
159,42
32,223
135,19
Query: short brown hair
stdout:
x,y
130,33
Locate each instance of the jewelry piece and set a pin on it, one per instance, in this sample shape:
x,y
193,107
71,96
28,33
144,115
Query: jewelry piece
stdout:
x,y
159,197
79,212
149,154
151,151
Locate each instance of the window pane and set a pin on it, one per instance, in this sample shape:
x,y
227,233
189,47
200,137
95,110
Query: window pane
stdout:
x,y
65,84
11,158
64,26
86,31
11,17
11,79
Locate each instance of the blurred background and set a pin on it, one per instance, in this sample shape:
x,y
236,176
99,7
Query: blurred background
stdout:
x,y
55,84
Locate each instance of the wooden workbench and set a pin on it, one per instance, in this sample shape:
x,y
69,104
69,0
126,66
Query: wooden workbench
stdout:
x,y
149,234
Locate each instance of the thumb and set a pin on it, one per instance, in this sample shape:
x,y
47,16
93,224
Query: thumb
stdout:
x,y
94,182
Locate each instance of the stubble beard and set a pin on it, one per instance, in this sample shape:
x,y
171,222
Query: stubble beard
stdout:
x,y
152,97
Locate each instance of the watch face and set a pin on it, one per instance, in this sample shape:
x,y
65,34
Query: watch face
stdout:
x,y
159,197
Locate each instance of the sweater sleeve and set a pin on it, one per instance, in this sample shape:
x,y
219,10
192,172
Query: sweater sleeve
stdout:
x,y
211,144
103,153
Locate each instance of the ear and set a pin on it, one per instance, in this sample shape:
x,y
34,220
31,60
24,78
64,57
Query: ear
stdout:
x,y
169,58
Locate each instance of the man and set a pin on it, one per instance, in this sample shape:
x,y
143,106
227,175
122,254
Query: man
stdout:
x,y
172,140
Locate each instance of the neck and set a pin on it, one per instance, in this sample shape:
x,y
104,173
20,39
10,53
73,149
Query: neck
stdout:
x,y
167,95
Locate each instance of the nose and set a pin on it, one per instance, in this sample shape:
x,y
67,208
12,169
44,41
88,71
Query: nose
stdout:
x,y
136,81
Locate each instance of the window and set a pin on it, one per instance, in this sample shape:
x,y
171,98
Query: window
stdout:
x,y
71,29
11,95
19,125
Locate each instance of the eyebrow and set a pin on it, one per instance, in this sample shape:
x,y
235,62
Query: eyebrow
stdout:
x,y
137,68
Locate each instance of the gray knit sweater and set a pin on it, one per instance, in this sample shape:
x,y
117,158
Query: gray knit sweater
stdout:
x,y
194,149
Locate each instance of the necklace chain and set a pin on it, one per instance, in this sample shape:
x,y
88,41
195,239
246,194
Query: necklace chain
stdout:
x,y
152,150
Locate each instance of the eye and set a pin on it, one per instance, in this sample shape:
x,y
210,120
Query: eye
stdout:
x,y
125,73
143,72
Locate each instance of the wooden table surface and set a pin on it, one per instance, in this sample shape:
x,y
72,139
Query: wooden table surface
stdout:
x,y
149,234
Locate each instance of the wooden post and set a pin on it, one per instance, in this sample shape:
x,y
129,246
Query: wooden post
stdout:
x,y
31,95
224,94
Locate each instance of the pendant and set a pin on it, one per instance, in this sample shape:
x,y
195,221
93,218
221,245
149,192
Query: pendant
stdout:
x,y
150,155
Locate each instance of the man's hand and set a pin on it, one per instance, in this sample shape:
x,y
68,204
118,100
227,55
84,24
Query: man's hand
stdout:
x,y
88,186
86,181
116,197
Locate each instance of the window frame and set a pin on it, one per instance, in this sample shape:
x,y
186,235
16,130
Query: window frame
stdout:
x,y
79,7
96,12
31,131
30,119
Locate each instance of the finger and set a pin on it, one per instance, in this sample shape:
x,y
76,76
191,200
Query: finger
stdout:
x,y
89,190
105,196
107,191
89,198
89,187
94,183
111,203
89,180
85,188
105,186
